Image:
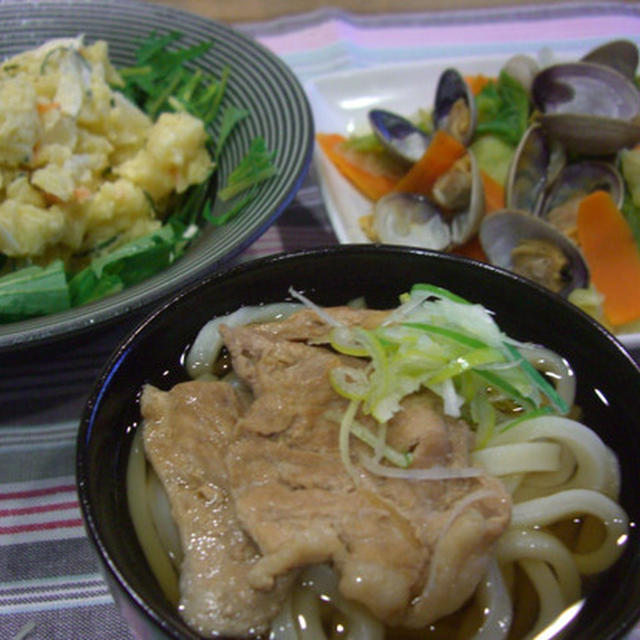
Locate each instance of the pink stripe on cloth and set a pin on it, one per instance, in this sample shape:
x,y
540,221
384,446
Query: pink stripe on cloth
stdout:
x,y
34,493
333,31
20,511
42,526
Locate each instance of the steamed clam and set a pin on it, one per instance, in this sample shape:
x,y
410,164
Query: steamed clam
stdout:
x,y
541,181
621,55
561,200
532,248
535,164
535,235
452,213
454,111
591,108
398,135
450,217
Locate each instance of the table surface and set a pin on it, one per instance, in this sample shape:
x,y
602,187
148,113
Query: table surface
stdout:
x,y
254,10
50,584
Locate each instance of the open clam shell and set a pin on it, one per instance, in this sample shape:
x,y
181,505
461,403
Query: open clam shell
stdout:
x,y
504,233
398,135
411,219
454,108
621,55
591,108
535,164
582,178
415,220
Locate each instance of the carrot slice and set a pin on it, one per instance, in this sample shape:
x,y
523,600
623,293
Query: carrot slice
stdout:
x,y
612,255
472,249
442,152
371,184
477,83
43,107
493,193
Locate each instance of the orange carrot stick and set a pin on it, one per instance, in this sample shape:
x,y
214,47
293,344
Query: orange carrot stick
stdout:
x,y
472,249
439,157
612,255
477,83
372,185
493,193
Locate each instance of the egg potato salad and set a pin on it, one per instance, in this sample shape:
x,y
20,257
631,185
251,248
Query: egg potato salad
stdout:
x,y
80,164
104,172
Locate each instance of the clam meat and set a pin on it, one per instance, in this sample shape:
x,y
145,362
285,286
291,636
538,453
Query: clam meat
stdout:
x,y
454,109
532,248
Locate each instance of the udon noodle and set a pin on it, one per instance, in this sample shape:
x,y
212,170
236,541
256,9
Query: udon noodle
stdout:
x,y
566,524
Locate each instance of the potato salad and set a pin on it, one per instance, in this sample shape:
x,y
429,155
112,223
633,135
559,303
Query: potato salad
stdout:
x,y
80,164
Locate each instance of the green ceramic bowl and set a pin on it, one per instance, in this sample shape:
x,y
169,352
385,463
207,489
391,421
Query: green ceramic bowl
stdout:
x,y
259,82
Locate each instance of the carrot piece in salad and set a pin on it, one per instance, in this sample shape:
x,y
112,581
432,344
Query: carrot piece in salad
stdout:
x,y
612,255
369,182
44,107
440,156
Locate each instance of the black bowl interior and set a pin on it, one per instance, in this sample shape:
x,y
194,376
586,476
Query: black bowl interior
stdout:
x,y
608,391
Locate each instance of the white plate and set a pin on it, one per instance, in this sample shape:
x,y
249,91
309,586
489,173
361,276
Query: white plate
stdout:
x,y
340,103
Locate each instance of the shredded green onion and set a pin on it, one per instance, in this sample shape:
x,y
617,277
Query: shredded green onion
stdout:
x,y
442,342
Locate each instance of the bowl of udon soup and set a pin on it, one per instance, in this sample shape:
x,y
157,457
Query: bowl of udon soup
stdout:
x,y
366,442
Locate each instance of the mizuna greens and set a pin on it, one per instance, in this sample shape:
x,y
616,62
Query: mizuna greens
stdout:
x,y
161,80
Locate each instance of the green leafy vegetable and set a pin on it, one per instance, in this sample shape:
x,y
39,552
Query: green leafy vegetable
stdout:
x,y
631,213
254,168
230,119
630,168
33,291
161,74
503,109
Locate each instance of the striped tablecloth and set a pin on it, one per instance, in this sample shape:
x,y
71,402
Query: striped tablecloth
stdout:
x,y
50,586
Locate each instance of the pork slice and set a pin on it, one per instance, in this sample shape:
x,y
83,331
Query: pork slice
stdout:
x,y
290,390
409,551
186,434
306,324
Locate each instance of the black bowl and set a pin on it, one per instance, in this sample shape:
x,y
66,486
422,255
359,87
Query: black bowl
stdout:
x,y
608,391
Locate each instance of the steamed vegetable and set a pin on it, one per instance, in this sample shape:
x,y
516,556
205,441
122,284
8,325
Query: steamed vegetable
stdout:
x,y
365,169
613,256
504,112
503,109
440,156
